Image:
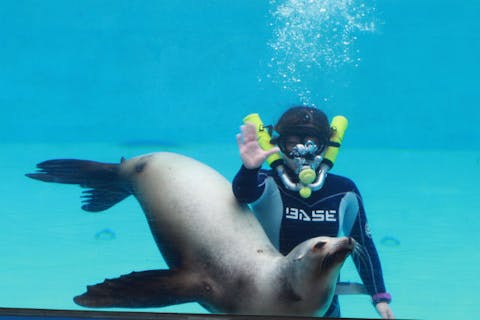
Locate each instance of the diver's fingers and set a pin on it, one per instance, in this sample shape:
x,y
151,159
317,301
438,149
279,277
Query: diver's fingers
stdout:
x,y
249,132
245,137
239,140
271,151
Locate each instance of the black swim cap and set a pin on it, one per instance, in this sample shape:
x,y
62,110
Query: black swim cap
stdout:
x,y
303,121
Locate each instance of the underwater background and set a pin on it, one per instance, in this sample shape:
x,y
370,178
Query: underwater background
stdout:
x,y
103,79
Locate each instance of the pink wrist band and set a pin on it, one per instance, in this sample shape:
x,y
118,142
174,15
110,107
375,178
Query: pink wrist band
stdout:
x,y
381,297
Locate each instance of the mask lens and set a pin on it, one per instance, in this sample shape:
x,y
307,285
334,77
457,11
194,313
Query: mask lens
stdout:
x,y
288,144
295,146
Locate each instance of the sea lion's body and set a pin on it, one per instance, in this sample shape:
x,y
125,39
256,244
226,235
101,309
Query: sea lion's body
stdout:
x,y
217,251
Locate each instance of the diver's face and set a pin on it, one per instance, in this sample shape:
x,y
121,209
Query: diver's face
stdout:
x,y
302,152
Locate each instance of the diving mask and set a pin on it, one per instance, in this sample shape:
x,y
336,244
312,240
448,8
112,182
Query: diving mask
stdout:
x,y
304,160
304,156
307,150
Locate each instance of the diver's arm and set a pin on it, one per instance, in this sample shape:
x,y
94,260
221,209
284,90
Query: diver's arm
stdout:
x,y
355,224
368,262
246,185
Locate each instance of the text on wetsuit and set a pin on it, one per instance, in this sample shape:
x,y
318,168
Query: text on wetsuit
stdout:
x,y
315,215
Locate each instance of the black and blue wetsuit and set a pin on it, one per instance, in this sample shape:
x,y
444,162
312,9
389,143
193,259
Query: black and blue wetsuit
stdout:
x,y
289,219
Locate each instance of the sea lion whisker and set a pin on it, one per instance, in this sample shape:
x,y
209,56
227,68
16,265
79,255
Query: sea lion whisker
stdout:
x,y
359,252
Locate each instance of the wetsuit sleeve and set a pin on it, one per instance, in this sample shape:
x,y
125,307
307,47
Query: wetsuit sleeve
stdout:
x,y
248,184
367,260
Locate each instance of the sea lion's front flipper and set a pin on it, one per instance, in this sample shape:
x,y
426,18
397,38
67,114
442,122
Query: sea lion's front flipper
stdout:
x,y
345,288
153,288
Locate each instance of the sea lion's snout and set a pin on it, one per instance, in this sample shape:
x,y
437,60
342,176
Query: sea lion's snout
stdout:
x,y
345,248
332,245
334,251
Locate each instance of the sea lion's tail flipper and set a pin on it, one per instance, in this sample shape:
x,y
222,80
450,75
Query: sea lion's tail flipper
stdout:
x,y
103,180
153,288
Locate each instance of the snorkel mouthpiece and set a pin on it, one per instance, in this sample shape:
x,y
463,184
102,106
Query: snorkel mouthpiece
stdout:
x,y
307,176
305,156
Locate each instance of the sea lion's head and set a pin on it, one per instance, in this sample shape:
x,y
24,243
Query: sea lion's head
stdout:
x,y
314,268
322,256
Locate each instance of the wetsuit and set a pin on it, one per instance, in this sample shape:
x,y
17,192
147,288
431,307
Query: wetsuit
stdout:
x,y
289,219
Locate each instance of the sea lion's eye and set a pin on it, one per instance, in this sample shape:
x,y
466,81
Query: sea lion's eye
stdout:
x,y
319,245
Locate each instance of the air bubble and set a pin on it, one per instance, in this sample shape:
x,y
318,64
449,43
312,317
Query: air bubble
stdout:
x,y
313,36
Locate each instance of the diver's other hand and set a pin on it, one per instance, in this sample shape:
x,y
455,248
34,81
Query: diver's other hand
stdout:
x,y
251,153
384,310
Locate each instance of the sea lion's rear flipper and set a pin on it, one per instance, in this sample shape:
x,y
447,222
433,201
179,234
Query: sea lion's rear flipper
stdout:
x,y
153,288
103,180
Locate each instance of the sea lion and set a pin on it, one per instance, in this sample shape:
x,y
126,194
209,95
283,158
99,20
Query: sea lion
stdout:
x,y
217,251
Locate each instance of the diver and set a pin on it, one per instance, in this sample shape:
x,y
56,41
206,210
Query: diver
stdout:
x,y
297,200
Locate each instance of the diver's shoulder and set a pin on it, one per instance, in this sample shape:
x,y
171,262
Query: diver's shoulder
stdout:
x,y
338,179
267,172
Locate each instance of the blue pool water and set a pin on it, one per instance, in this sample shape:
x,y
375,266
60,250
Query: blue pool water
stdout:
x,y
104,79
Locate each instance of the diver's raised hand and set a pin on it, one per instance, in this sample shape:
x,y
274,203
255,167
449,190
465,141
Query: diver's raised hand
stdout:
x,y
251,153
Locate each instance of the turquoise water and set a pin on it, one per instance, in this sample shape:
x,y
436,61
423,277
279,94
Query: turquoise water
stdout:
x,y
104,79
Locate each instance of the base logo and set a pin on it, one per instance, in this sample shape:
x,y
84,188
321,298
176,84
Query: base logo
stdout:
x,y
314,215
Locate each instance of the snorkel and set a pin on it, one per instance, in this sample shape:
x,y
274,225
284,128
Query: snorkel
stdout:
x,y
305,156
